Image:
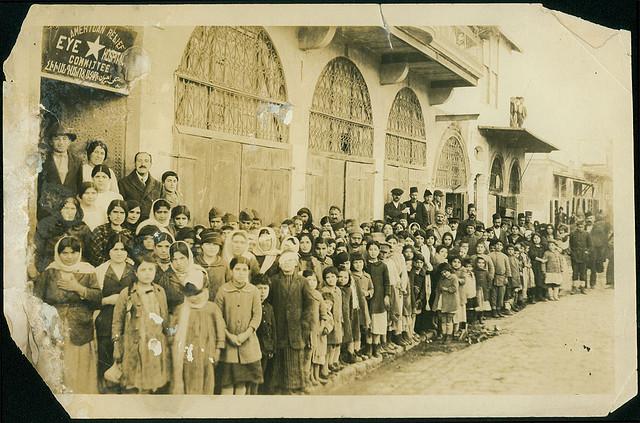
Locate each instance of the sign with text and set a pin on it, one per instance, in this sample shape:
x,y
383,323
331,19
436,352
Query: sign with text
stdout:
x,y
94,56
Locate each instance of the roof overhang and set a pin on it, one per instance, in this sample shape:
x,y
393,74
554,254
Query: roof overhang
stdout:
x,y
517,138
420,50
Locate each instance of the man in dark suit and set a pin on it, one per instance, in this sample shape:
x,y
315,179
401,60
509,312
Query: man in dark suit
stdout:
x,y
395,210
498,232
60,172
139,185
417,211
471,220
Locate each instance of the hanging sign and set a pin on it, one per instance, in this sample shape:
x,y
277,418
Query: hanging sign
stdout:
x,y
93,56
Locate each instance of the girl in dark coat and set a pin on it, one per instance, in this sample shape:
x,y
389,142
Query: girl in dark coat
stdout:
x,y
379,302
536,254
113,276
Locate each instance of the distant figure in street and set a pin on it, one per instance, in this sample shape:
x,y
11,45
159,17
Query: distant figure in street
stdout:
x,y
139,185
580,246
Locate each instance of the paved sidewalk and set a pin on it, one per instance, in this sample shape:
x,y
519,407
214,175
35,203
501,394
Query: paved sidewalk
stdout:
x,y
551,347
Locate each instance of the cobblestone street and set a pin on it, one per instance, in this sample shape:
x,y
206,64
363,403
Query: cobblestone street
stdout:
x,y
559,347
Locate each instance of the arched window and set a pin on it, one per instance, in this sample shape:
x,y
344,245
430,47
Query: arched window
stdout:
x,y
451,171
496,182
341,120
406,140
514,178
231,80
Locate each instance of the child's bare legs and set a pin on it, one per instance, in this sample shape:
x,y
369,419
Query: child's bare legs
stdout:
x,y
550,293
240,389
556,293
227,390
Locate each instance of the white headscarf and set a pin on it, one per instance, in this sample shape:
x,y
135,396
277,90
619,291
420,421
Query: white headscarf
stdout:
x,y
290,244
78,267
194,273
153,221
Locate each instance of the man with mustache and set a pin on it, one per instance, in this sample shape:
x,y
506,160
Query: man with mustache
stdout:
x,y
139,185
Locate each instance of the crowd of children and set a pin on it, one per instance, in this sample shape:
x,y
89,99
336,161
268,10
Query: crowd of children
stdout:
x,y
155,304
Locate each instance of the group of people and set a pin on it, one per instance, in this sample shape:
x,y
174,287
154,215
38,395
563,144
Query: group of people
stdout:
x,y
147,302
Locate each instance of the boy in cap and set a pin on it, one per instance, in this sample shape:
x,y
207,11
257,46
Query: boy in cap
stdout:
x,y
215,218
230,220
395,210
438,196
246,219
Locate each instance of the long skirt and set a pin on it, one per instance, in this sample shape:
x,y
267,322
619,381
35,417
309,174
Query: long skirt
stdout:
x,y
80,368
288,369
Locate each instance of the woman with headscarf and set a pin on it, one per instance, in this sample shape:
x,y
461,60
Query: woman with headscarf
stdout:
x,y
67,220
113,276
70,285
160,216
307,219
182,270
161,254
101,175
199,327
134,212
307,260
236,244
266,249
116,215
97,152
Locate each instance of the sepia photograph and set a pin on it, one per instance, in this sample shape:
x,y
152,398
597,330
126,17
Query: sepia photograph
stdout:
x,y
382,210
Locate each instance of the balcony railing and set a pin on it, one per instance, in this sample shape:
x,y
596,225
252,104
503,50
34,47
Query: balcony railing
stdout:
x,y
460,39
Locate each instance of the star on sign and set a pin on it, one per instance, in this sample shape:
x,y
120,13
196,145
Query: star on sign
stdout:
x,y
94,48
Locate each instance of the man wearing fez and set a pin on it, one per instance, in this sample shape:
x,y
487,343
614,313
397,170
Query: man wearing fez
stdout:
x,y
417,210
139,185
395,210
60,172
429,206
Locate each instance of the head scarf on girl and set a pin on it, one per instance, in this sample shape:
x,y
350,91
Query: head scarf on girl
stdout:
x,y
152,220
78,267
269,254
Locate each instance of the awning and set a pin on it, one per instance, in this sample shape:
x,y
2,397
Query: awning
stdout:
x,y
516,138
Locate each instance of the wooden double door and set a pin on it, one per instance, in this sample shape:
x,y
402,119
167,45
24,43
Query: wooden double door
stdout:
x,y
232,176
403,178
340,182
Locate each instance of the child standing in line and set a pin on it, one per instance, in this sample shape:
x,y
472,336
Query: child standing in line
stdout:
x,y
460,318
448,300
379,303
140,321
481,275
347,347
334,338
500,279
266,333
421,293
516,277
470,289
320,359
528,280
317,309
321,250
364,290
554,268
